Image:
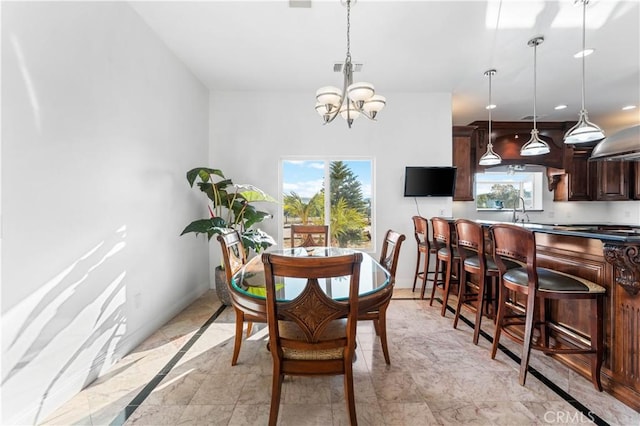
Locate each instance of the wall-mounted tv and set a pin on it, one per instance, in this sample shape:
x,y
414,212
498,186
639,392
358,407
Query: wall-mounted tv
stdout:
x,y
429,181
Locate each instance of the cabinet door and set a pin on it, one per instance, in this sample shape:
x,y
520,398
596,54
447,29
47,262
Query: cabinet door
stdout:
x,y
612,180
464,160
580,174
635,180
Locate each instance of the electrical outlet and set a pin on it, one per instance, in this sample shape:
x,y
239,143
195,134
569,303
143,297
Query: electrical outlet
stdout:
x,y
441,212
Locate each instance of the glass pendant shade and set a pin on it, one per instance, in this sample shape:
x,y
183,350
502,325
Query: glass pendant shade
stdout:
x,y
535,145
329,95
360,91
490,158
374,104
584,131
349,114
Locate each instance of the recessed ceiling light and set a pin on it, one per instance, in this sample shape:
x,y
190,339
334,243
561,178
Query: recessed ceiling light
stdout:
x,y
628,107
561,106
492,106
585,52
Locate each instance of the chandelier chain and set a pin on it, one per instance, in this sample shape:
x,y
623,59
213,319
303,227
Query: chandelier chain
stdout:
x,y
348,30
535,49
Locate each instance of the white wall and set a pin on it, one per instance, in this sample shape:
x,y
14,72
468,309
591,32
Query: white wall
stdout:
x,y
251,132
99,124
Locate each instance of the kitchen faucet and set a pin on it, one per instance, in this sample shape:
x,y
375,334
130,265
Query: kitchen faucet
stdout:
x,y
514,218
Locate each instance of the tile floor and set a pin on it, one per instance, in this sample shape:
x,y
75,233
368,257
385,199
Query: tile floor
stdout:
x,y
182,375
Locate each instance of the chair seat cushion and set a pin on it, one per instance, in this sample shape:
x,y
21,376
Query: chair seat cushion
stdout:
x,y
444,253
553,281
474,262
335,330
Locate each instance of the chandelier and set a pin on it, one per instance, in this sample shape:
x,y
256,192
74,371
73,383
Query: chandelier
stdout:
x,y
584,130
355,99
490,158
535,145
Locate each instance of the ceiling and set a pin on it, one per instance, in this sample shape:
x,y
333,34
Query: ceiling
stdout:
x,y
418,46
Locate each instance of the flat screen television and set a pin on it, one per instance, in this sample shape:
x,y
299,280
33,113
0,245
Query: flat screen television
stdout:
x,y
429,181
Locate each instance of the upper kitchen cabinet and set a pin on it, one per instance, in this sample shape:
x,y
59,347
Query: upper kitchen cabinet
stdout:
x,y
464,158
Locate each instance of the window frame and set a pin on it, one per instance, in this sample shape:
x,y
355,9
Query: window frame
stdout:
x,y
327,159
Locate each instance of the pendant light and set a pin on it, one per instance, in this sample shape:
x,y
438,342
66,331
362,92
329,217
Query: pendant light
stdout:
x,y
490,158
535,145
584,131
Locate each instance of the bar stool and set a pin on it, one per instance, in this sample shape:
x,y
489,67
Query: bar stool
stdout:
x,y
447,260
425,249
540,286
471,247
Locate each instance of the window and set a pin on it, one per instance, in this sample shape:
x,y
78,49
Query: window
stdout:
x,y
499,189
348,208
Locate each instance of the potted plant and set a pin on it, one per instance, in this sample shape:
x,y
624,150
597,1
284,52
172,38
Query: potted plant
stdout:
x,y
231,208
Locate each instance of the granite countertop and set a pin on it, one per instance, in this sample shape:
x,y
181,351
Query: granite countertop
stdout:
x,y
602,231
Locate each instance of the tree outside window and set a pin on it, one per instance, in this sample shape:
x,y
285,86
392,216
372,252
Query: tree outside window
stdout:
x,y
347,210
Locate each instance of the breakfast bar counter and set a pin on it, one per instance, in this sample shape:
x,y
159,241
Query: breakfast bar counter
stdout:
x,y
608,255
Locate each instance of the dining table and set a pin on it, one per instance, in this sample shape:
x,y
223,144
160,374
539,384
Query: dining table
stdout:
x,y
248,284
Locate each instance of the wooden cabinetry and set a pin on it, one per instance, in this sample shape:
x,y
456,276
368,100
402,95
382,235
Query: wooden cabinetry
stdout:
x,y
464,158
635,180
580,176
571,175
612,182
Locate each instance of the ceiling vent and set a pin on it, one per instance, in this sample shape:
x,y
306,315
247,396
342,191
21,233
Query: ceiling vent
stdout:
x,y
300,3
337,67
530,117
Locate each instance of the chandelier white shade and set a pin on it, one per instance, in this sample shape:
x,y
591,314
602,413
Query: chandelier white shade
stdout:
x,y
490,158
584,131
535,145
355,99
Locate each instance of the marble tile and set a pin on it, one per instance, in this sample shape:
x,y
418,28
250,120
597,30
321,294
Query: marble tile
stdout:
x,y
436,376
155,415
206,415
305,415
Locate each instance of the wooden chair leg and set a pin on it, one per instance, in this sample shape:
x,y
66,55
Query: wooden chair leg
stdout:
x,y
462,287
382,326
276,390
502,299
447,282
238,339
435,281
249,328
349,395
425,273
528,334
597,337
482,285
415,276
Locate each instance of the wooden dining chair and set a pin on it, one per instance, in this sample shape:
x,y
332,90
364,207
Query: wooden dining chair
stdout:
x,y
312,334
425,249
447,260
309,235
234,257
541,286
389,256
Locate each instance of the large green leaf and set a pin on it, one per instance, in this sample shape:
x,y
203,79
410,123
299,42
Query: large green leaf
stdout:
x,y
211,226
257,240
253,194
204,173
